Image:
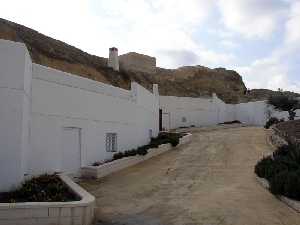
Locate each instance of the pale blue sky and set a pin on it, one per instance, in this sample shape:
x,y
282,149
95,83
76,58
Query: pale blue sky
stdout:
x,y
258,38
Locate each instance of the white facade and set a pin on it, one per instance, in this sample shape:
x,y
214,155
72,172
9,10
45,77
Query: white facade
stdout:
x,y
53,121
15,101
185,112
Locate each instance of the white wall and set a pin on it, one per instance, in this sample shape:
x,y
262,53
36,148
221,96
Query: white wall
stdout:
x,y
64,100
197,111
15,107
211,111
37,103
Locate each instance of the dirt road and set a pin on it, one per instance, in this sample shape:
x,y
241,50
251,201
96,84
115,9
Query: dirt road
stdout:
x,y
207,182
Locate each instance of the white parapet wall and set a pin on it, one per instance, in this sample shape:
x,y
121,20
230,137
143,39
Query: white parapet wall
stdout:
x,y
52,121
205,111
63,101
184,112
15,107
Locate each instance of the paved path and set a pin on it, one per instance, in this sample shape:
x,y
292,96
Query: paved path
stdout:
x,y
207,182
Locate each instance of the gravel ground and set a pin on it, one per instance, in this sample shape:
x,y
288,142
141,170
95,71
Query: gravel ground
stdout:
x,y
207,182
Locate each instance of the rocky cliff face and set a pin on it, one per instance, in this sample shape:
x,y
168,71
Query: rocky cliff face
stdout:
x,y
185,81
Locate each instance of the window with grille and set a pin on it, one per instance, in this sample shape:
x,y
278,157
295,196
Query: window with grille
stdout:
x,y
111,142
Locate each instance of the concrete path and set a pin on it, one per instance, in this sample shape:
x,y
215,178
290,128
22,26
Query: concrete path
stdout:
x,y
209,181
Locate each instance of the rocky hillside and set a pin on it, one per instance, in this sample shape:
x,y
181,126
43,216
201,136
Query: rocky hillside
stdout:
x,y
185,81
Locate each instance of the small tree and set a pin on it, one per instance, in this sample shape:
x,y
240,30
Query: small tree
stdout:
x,y
285,102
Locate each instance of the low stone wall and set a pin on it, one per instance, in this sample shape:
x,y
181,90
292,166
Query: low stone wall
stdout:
x,y
286,136
275,139
51,213
290,202
117,165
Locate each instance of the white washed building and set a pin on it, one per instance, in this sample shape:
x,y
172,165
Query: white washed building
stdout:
x,y
52,121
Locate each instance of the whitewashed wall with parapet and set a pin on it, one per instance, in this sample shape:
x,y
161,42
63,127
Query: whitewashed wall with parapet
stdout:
x,y
64,100
38,102
185,112
15,107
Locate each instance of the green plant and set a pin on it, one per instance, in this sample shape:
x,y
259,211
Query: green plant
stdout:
x,y
118,155
282,170
129,153
174,141
45,188
281,152
262,167
277,183
271,121
291,185
162,138
143,150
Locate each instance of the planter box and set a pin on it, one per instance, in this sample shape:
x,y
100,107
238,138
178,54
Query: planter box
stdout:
x,y
185,139
290,202
51,213
117,165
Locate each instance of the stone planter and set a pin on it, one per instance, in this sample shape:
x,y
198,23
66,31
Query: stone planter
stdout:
x,y
117,165
51,213
274,139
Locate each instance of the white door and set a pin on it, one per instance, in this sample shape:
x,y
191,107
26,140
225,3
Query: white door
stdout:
x,y
71,150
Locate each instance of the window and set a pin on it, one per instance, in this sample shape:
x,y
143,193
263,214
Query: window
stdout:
x,y
183,119
111,142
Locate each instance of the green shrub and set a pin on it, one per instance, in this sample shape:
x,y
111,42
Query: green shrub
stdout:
x,y
282,170
45,188
129,153
143,150
118,155
282,151
262,167
271,121
162,138
292,185
286,183
277,183
174,141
